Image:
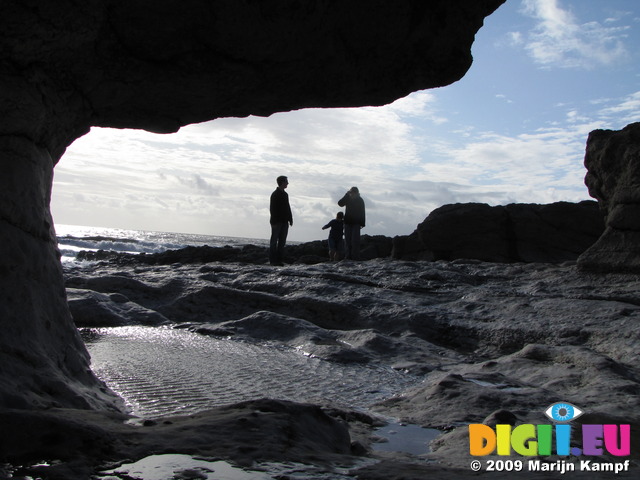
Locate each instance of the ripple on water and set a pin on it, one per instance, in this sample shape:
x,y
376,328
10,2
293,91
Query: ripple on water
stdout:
x,y
162,467
162,371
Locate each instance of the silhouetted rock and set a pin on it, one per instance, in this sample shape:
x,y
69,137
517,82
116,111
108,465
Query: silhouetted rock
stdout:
x,y
613,162
554,233
308,253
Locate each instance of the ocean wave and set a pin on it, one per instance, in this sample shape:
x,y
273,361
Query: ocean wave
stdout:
x,y
128,245
74,239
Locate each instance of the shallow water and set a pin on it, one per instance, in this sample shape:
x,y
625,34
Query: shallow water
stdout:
x,y
163,467
399,437
162,371
174,466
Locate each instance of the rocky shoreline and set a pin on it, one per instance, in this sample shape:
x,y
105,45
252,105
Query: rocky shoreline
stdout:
x,y
553,233
483,336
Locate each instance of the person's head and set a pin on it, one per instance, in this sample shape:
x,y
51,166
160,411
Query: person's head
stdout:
x,y
340,216
354,191
282,181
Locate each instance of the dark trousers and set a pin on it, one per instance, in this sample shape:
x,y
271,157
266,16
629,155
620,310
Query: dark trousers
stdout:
x,y
279,233
352,241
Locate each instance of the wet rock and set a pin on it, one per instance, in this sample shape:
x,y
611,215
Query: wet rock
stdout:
x,y
247,432
482,337
93,309
500,417
264,325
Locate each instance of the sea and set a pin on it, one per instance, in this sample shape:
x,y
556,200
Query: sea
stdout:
x,y
75,238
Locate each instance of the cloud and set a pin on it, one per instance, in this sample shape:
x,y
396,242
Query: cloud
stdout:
x,y
627,111
216,177
558,39
196,182
515,38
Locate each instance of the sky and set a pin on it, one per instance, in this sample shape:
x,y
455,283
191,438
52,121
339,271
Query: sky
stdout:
x,y
512,130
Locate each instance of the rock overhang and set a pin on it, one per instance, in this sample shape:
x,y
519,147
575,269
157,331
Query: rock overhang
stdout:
x,y
164,64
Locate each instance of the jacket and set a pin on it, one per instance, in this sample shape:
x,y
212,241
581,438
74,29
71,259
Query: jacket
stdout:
x,y
354,213
279,207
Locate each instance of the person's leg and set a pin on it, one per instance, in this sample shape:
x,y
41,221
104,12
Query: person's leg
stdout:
x,y
347,240
273,243
282,241
355,242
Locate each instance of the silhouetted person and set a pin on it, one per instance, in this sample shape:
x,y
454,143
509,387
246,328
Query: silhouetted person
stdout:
x,y
354,220
335,235
281,218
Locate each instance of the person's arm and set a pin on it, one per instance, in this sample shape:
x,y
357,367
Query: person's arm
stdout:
x,y
343,201
273,209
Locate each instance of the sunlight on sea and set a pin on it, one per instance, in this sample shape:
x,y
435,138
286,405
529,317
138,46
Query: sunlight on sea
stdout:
x,y
75,238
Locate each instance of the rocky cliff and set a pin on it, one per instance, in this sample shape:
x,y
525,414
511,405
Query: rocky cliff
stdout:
x,y
613,176
66,66
554,233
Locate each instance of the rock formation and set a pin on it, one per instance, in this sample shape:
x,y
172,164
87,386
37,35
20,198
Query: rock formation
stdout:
x,y
552,233
613,177
67,66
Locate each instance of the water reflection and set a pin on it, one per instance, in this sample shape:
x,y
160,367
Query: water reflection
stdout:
x,y
162,371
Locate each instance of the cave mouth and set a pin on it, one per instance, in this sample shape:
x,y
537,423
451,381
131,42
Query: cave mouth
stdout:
x,y
157,67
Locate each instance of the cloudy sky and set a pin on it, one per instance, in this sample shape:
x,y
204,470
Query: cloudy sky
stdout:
x,y
545,73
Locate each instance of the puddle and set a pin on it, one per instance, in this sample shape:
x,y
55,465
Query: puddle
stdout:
x,y
181,467
185,467
408,438
160,371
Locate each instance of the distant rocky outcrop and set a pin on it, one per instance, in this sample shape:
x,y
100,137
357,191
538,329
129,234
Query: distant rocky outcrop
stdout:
x,y
309,253
67,66
551,233
613,163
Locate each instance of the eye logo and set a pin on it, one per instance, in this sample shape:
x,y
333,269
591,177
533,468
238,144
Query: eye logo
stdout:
x,y
538,440
563,412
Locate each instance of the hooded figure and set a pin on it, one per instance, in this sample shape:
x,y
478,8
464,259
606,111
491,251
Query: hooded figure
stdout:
x,y
354,220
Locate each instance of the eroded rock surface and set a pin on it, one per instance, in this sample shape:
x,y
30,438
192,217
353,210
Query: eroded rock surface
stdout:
x,y
480,336
613,163
67,66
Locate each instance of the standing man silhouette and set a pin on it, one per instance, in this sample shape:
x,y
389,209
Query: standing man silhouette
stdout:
x,y
354,220
281,219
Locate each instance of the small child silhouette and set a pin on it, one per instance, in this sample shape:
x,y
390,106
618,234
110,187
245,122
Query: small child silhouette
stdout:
x,y
335,236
